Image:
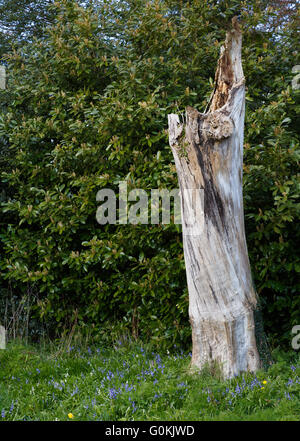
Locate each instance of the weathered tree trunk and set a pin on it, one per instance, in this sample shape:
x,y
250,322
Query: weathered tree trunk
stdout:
x,y
208,152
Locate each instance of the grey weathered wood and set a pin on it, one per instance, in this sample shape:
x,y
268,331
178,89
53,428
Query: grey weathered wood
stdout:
x,y
2,77
208,153
2,337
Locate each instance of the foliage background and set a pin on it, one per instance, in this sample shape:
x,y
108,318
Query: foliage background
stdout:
x,y
85,107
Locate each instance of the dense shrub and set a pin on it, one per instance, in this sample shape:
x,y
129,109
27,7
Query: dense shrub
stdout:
x,y
88,108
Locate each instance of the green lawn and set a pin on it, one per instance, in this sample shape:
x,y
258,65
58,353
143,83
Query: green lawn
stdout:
x,y
134,382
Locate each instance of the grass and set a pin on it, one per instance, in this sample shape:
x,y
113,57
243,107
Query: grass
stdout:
x,y
133,382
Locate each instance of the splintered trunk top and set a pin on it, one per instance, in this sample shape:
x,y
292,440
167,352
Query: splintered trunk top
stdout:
x,y
208,153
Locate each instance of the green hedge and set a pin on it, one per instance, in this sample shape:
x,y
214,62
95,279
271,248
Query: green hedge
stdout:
x,y
86,108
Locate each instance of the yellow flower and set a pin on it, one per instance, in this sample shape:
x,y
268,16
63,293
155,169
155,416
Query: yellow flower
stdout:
x,y
264,382
262,387
70,415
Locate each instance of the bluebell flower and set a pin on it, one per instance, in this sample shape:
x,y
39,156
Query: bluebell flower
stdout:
x,y
112,393
74,392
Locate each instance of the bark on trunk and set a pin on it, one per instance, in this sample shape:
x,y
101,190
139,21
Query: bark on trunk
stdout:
x,y
208,153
